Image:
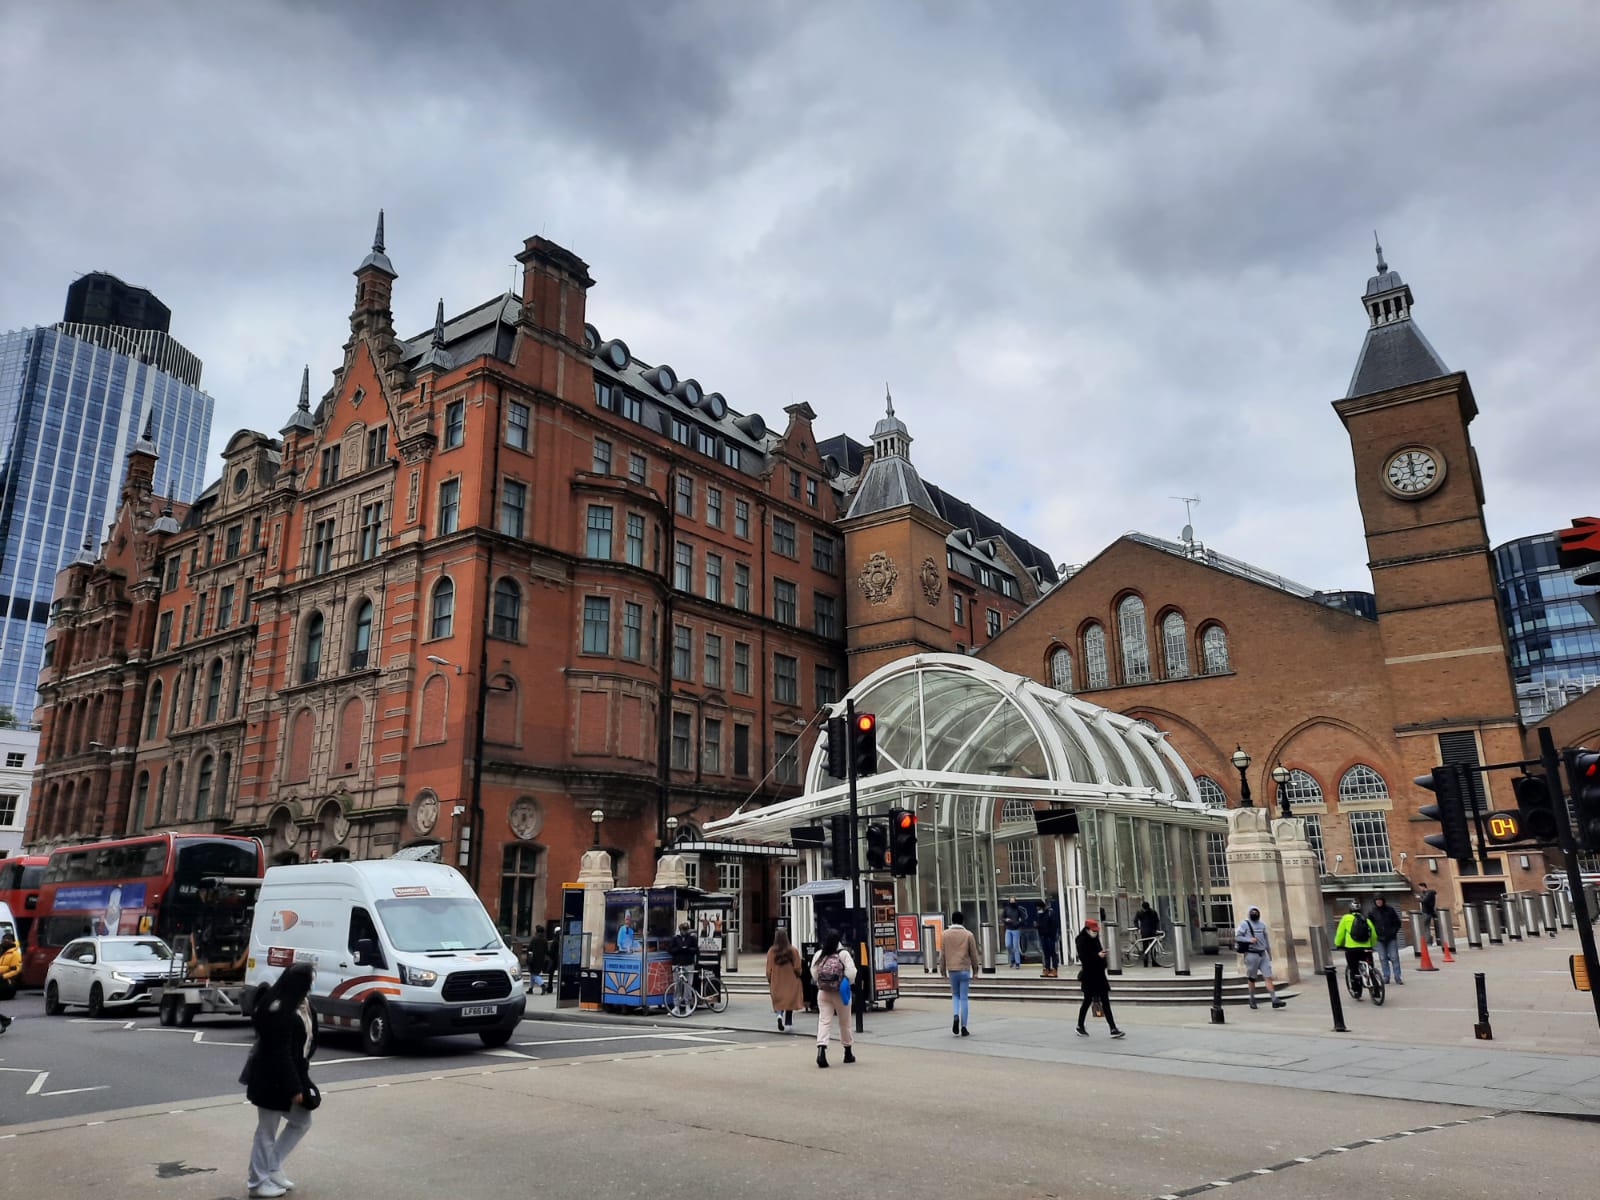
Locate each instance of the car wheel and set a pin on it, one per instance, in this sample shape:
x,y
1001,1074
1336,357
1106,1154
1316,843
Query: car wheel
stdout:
x,y
97,1001
377,1035
52,1000
495,1037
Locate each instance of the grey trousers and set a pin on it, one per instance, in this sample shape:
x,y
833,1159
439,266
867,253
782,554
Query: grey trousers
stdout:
x,y
270,1147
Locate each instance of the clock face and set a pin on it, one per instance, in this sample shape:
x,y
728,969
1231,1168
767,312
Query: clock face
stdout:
x,y
1412,473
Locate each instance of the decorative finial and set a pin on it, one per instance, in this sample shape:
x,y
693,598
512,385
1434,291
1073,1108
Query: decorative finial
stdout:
x,y
305,388
150,425
1382,266
377,238
888,400
438,325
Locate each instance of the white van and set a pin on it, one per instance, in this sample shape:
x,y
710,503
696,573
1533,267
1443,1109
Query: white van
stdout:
x,y
402,950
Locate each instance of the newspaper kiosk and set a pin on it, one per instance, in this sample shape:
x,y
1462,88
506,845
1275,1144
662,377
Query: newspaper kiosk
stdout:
x,y
640,923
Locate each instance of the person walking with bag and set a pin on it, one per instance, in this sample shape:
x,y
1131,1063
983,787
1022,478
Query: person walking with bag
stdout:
x,y
958,959
277,1077
10,972
831,967
783,981
1386,925
1093,978
1250,939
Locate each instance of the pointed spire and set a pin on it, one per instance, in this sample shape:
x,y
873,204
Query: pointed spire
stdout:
x,y
150,425
1395,352
438,325
146,443
1382,266
305,388
436,356
888,400
301,420
378,258
377,238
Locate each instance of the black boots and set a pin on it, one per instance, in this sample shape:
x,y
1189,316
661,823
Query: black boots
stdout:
x,y
849,1054
822,1056
955,1026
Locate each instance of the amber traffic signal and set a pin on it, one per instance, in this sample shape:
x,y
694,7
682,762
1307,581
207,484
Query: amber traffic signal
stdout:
x,y
864,744
902,841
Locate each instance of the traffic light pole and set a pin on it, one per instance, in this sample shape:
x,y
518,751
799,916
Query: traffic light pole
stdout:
x,y
857,916
1568,847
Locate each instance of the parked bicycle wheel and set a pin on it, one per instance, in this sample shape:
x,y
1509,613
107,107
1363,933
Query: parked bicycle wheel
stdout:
x,y
1161,954
716,1000
681,998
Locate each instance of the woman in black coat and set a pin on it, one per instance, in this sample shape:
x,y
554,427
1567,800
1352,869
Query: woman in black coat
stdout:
x,y
1092,976
277,1077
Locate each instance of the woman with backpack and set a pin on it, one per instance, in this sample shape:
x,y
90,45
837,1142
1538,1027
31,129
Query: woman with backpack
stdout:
x,y
783,980
830,966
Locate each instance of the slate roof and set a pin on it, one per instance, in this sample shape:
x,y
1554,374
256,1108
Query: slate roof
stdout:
x,y
1393,356
889,483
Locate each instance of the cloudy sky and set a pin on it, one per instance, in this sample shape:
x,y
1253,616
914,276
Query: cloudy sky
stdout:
x,y
1105,254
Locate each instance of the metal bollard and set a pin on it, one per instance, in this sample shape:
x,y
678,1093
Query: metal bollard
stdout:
x,y
1491,923
1334,1002
1419,934
987,934
1180,950
1216,994
1508,905
1482,1031
1113,948
1547,905
1447,929
1474,933
1564,907
1321,955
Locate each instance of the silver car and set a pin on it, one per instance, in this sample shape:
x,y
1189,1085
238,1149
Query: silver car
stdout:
x,y
106,972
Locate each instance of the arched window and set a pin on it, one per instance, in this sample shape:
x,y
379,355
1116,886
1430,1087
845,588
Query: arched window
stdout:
x,y
141,798
1361,782
152,712
1175,646
443,609
1214,651
1061,669
311,649
507,610
214,690
202,787
1096,671
361,636
1135,645
1211,793
1302,788
224,773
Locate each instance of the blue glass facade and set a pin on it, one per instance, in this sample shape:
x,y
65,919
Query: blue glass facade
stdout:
x,y
1554,642
70,411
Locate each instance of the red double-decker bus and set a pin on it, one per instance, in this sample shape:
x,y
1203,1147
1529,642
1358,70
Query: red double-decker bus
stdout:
x,y
149,884
19,890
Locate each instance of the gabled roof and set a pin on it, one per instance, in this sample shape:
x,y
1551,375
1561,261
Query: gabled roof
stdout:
x,y
1393,356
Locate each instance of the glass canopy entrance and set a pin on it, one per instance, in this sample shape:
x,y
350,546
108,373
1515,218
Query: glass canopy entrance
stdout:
x,y
980,754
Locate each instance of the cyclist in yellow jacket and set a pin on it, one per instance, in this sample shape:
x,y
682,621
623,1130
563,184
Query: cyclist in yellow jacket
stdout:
x,y
1356,937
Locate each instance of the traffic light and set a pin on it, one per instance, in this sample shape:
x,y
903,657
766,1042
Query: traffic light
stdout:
x,y
1583,779
844,850
1536,810
838,748
864,745
1449,784
877,847
902,841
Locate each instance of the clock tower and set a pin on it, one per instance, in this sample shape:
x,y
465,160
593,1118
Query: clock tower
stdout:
x,y
1421,499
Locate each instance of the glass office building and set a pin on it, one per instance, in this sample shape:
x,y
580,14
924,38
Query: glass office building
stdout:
x,y
74,399
1554,642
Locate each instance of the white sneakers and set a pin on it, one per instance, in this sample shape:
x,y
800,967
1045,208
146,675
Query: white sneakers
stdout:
x,y
277,1184
282,1180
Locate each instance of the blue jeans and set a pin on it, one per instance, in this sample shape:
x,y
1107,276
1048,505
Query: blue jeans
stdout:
x,y
960,985
1389,956
1014,947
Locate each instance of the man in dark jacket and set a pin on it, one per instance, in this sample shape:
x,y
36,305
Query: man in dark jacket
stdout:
x,y
538,959
1049,927
1386,926
1428,901
1148,922
1092,976
1011,918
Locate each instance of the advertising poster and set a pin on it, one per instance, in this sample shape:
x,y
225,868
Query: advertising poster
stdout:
x,y
906,938
104,905
885,950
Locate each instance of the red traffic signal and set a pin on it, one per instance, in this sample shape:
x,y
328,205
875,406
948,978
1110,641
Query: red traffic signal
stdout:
x,y
864,744
902,841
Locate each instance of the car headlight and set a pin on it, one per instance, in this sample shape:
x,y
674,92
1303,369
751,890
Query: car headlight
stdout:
x,y
121,978
417,977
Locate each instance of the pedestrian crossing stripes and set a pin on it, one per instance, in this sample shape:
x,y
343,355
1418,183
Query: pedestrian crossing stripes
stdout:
x,y
1215,1184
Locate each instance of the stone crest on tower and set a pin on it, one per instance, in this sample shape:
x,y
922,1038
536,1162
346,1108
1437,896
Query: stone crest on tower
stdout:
x,y
932,581
878,577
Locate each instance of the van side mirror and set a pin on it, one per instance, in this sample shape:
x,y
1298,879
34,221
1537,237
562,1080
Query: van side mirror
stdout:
x,y
367,953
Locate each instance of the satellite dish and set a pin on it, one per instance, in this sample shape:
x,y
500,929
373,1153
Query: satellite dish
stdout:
x,y
1188,533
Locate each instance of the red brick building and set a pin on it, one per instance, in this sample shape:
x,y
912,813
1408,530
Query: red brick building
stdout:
x,y
503,575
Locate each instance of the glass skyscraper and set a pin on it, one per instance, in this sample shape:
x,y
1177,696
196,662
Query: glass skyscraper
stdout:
x,y
1554,642
73,400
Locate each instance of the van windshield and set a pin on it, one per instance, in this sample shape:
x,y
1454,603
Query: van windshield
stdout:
x,y
438,923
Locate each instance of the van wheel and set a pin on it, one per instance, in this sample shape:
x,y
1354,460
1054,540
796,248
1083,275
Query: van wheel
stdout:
x,y
495,1037
167,1014
52,1001
97,1001
377,1036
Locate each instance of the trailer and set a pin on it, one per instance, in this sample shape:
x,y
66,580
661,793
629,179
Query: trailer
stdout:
x,y
208,965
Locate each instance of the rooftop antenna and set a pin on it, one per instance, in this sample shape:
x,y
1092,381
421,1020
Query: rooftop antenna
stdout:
x,y
1188,516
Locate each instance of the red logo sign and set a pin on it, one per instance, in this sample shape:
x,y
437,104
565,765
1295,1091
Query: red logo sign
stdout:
x,y
1580,545
279,956
283,919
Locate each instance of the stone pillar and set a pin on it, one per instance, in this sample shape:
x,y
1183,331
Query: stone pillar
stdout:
x,y
595,876
1302,883
1255,876
670,872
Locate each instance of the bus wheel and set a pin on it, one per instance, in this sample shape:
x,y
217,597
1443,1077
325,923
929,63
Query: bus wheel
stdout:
x,y
52,1001
377,1036
495,1037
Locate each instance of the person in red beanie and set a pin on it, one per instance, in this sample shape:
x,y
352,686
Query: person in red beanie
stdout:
x,y
1092,976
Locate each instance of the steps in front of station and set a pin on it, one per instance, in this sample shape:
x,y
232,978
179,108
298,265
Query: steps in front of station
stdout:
x,y
1130,988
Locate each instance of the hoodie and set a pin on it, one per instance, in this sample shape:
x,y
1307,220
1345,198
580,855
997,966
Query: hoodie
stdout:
x,y
1253,933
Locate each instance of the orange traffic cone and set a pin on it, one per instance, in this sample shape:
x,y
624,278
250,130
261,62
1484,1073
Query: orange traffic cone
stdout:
x,y
1427,963
1448,957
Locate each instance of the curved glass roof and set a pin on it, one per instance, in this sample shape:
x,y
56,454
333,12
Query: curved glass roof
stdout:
x,y
950,724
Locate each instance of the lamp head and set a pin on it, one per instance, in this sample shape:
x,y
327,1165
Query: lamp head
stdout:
x,y
1240,759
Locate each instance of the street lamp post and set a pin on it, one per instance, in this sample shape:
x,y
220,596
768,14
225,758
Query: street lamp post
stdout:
x,y
1241,763
672,832
1280,776
597,816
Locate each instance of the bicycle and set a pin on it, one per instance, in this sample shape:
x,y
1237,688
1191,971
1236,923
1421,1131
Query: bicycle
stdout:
x,y
1364,975
692,989
1134,948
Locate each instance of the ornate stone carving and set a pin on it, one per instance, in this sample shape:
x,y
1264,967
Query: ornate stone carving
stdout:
x,y
878,577
932,581
425,813
525,819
